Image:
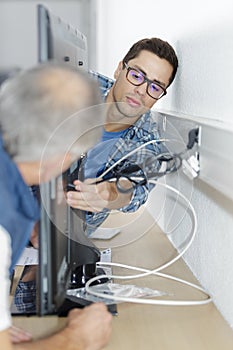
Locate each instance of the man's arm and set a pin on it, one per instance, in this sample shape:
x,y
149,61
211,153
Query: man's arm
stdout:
x,y
89,328
5,340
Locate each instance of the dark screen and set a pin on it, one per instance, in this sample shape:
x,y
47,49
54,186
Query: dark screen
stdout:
x,y
67,256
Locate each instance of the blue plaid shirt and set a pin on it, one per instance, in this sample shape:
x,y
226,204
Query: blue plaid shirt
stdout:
x,y
145,129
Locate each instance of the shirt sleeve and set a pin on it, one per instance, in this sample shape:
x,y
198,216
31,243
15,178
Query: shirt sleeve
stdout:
x,y
139,197
5,257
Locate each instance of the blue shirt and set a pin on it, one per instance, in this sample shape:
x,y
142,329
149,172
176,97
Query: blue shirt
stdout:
x,y
97,157
143,130
19,209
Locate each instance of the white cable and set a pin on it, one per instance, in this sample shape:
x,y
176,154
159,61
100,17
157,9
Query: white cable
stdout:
x,y
194,224
134,151
148,300
150,272
172,261
147,272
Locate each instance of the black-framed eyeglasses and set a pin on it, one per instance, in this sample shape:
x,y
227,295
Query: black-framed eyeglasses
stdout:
x,y
137,78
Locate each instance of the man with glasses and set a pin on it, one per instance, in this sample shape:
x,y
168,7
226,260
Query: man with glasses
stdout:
x,y
141,79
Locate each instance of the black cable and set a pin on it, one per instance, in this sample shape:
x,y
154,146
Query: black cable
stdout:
x,y
193,137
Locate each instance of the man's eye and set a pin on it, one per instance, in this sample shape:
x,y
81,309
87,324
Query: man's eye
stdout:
x,y
155,87
136,75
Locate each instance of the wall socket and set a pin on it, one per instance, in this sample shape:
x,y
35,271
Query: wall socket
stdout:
x,y
215,149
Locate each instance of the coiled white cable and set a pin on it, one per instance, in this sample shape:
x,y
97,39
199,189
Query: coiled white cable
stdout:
x,y
146,272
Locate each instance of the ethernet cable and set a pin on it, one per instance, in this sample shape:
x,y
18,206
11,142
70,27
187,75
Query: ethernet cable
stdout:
x,y
193,135
146,272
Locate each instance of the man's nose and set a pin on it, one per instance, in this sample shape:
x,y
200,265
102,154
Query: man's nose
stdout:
x,y
141,89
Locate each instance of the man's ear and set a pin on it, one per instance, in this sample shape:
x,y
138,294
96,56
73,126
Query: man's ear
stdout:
x,y
118,70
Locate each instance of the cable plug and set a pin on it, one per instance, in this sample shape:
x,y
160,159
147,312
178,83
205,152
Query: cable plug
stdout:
x,y
193,137
191,166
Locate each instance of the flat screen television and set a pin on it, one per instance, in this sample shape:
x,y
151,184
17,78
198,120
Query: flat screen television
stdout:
x,y
67,257
59,41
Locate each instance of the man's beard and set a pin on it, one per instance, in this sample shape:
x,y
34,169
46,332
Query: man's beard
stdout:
x,y
125,110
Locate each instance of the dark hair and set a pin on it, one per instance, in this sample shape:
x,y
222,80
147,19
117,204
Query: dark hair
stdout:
x,y
157,46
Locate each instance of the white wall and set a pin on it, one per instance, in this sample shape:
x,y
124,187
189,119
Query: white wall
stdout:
x,y
202,34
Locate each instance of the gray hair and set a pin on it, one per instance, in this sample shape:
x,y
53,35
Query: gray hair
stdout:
x,y
48,109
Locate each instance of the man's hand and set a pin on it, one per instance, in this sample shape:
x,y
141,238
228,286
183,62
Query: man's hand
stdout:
x,y
95,197
86,329
90,327
18,335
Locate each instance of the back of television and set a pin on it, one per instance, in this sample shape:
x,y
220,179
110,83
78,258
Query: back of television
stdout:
x,y
67,258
